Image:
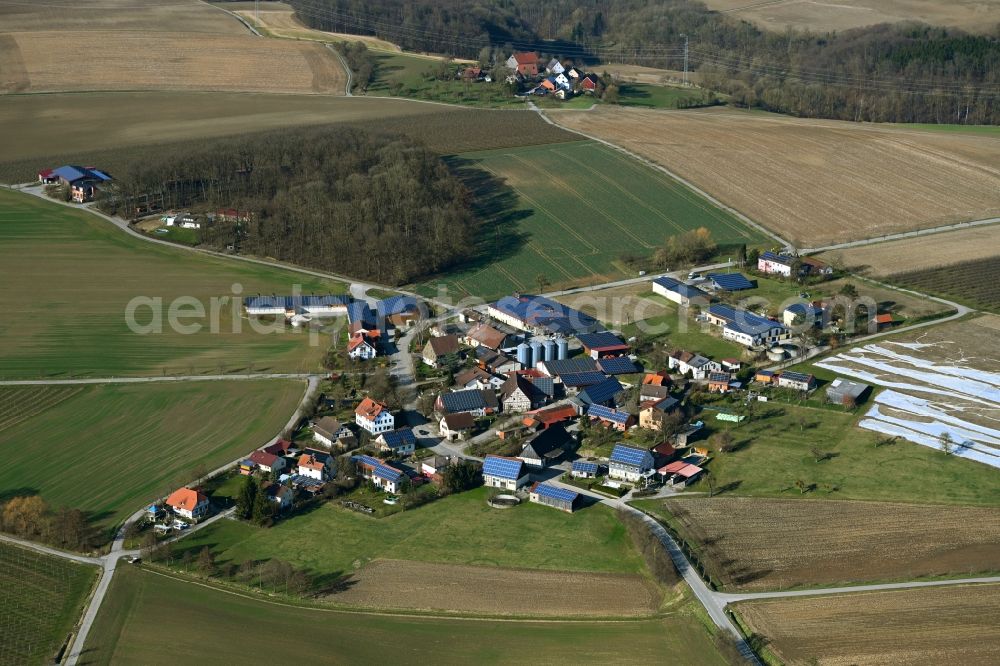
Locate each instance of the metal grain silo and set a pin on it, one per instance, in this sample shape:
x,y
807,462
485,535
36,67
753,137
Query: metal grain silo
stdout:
x,y
524,355
549,349
537,352
562,348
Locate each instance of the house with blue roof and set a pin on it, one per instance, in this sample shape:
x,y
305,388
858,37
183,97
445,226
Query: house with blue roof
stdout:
x,y
604,393
557,497
630,463
327,305
746,328
678,292
505,473
400,442
613,418
83,182
810,314
384,475
730,281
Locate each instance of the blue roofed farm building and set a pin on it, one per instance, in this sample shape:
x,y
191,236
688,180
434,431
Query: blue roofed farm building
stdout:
x,y
678,292
400,442
746,328
83,182
554,496
505,473
542,315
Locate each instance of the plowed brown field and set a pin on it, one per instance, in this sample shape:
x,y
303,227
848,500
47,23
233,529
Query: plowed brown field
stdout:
x,y
762,544
50,61
815,183
146,15
921,252
932,626
468,589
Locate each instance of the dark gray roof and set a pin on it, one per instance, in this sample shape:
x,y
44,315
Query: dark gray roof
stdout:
x,y
603,393
468,400
558,367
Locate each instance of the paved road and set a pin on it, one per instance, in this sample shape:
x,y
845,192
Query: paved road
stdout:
x,y
150,380
55,552
117,551
638,280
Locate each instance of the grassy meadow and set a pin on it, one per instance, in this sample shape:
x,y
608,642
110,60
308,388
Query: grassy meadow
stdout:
x,y
71,275
40,602
774,451
459,529
569,212
150,618
120,445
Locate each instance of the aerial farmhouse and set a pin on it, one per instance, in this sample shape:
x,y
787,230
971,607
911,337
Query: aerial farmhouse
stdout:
x,y
374,416
505,473
629,463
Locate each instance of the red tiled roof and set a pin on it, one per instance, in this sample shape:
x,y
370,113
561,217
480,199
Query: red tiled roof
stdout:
x,y
370,409
682,468
185,498
263,458
656,379
664,449
279,448
526,58
883,319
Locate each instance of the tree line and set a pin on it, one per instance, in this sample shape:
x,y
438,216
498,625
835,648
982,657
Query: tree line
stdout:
x,y
907,72
31,517
376,206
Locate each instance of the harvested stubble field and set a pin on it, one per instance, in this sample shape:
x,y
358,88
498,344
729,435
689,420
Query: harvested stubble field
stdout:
x,y
763,544
962,282
40,602
121,445
921,253
278,20
154,619
146,15
814,182
69,277
49,61
819,16
493,591
570,212
926,626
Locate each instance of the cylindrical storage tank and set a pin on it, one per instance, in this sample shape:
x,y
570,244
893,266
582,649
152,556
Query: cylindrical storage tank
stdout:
x,y
775,354
524,355
537,352
549,347
562,348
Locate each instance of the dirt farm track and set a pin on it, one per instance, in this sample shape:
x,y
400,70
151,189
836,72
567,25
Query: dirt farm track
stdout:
x,y
815,183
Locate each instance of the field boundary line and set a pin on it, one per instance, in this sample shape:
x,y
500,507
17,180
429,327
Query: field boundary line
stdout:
x,y
957,226
347,69
734,597
150,380
236,16
659,167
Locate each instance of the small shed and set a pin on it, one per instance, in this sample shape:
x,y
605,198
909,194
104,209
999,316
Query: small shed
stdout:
x,y
554,496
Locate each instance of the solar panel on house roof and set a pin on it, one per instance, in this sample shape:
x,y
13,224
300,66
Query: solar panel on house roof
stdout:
x,y
387,473
621,365
396,305
731,281
578,379
503,468
584,466
366,460
676,286
777,258
358,311
608,414
555,492
463,401
628,455
603,392
565,366
397,438
795,376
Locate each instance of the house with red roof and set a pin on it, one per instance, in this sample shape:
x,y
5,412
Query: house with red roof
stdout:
x,y
315,464
374,416
267,462
188,503
361,347
524,63
679,473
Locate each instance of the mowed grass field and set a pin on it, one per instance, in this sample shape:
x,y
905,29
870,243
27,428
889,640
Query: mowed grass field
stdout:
x,y
774,451
69,277
814,182
458,529
150,618
117,446
569,212
929,626
757,544
41,598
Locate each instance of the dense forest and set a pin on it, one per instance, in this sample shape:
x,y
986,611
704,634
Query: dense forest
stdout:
x,y
342,200
899,73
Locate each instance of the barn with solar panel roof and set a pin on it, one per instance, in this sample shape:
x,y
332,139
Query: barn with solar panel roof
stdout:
x,y
503,472
629,463
554,496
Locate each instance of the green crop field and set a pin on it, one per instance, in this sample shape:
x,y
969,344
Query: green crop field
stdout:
x,y
40,601
774,451
107,449
150,618
962,282
69,277
459,529
568,212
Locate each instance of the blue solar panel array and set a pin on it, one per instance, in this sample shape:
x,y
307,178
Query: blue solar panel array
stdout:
x,y
620,365
578,379
546,313
294,302
469,400
366,460
627,455
358,311
555,492
395,439
388,473
743,321
397,305
730,281
679,287
599,340
504,468
584,466
795,376
602,393
777,258
608,414
566,366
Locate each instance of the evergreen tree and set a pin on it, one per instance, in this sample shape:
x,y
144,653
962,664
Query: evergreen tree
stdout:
x,y
247,496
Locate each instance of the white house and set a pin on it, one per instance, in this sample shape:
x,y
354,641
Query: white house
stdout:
x,y
455,426
628,463
554,67
360,348
374,416
679,292
686,363
188,503
267,462
381,473
280,495
315,464
401,442
328,431
775,264
505,473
